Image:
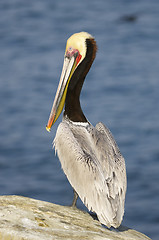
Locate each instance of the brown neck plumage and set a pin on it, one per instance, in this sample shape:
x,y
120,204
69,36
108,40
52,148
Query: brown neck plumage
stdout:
x,y
72,104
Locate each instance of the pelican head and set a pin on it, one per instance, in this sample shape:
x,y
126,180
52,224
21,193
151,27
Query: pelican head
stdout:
x,y
79,55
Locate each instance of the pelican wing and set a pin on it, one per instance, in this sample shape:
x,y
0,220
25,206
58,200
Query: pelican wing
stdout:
x,y
94,167
113,164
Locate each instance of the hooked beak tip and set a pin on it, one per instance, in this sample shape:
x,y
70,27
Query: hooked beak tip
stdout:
x,y
48,129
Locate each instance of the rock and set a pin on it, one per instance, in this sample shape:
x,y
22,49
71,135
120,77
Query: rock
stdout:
x,y
24,218
129,18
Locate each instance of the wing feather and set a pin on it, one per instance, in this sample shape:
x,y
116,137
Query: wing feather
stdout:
x,y
95,168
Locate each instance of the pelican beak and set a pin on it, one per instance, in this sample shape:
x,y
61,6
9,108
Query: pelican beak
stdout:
x,y
71,61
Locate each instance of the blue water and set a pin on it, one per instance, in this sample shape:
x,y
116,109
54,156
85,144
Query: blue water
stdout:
x,y
121,90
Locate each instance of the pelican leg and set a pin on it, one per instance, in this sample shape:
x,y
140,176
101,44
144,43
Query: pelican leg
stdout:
x,y
75,197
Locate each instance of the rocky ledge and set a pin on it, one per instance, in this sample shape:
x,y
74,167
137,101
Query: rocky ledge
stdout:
x,y
24,218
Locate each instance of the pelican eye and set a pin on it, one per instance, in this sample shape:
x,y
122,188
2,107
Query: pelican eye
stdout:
x,y
72,52
70,49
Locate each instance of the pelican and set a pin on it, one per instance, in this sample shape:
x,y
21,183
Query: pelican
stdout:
x,y
89,156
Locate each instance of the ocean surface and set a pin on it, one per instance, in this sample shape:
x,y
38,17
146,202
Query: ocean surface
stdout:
x,y
121,90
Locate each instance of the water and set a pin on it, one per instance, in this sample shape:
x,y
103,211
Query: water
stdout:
x,y
121,90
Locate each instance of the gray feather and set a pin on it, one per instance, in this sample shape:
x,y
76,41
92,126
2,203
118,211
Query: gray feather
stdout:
x,y
95,168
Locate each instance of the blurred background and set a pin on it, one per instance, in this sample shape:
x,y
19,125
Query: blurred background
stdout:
x,y
121,90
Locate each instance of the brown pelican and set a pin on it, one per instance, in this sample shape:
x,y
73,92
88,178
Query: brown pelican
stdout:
x,y
89,155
